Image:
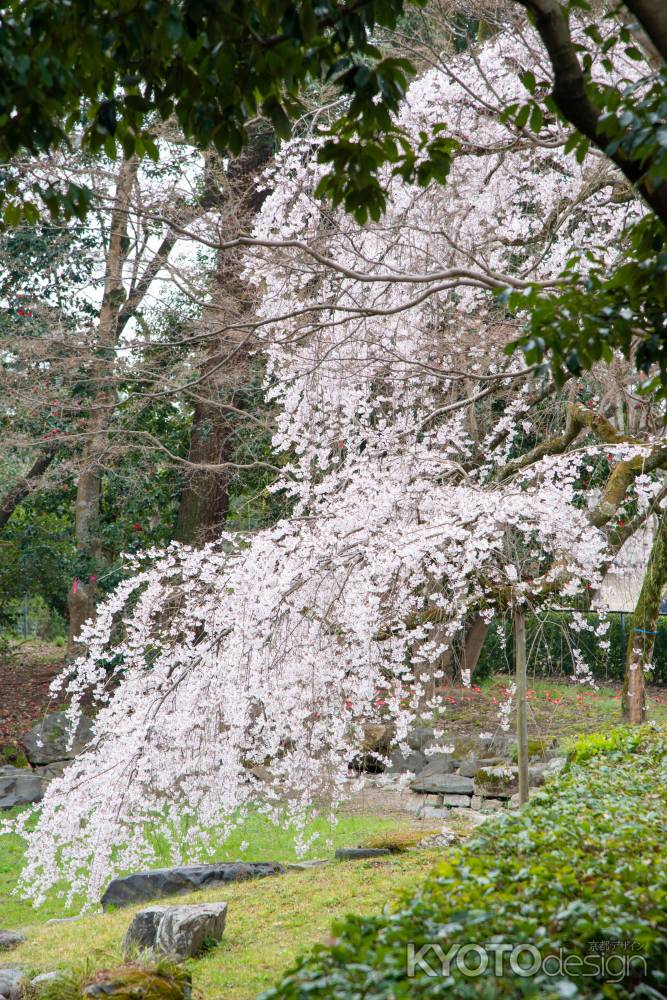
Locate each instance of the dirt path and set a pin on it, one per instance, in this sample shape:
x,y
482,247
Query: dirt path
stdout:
x,y
25,677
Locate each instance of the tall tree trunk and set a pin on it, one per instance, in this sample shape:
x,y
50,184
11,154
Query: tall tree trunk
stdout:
x,y
225,368
643,627
204,502
83,593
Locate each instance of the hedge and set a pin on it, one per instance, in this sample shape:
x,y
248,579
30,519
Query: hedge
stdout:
x,y
574,885
549,636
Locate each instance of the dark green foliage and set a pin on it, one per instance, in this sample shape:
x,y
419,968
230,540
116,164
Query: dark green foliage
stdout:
x,y
580,873
110,69
550,640
37,556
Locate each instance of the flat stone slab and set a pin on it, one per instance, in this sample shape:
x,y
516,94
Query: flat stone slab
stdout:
x,y
304,866
433,812
456,801
442,784
357,853
157,882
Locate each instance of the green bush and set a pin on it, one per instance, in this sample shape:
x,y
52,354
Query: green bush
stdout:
x,y
550,638
580,875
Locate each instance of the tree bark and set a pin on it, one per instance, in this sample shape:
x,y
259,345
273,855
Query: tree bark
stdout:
x,y
652,15
226,367
521,702
89,487
473,643
204,502
643,627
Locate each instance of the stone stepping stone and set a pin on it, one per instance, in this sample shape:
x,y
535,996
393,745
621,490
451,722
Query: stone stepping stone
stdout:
x,y
357,853
442,784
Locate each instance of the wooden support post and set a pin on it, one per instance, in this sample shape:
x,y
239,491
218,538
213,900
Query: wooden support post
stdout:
x,y
521,701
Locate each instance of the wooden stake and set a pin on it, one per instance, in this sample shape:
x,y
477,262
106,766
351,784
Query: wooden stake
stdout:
x,y
521,701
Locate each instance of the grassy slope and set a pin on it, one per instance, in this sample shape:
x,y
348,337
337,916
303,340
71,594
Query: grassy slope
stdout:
x,y
267,843
270,921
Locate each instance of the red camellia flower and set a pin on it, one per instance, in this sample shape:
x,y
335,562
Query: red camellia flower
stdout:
x,y
137,527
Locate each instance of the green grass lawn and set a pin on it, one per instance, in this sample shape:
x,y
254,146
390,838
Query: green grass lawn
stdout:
x,y
270,920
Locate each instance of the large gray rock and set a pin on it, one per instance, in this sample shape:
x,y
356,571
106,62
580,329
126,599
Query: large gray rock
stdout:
x,y
49,771
48,741
157,882
10,939
19,786
435,782
412,762
184,931
469,767
420,737
142,932
11,983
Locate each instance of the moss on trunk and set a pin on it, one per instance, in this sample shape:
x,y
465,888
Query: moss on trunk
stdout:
x,y
643,627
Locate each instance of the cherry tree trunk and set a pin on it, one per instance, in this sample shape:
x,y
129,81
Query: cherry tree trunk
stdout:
x,y
643,627
473,643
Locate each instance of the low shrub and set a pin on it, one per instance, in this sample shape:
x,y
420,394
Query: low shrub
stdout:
x,y
566,898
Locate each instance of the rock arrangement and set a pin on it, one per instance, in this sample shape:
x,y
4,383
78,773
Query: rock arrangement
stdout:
x,y
432,781
48,753
15,983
